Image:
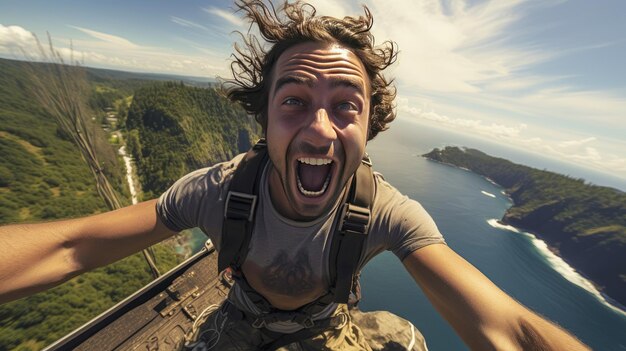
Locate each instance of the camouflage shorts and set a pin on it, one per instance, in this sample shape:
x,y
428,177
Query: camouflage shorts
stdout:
x,y
224,332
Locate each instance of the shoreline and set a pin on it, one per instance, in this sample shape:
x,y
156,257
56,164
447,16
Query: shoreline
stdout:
x,y
550,253
561,266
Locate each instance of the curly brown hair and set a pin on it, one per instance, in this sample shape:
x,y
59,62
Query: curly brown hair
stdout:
x,y
252,64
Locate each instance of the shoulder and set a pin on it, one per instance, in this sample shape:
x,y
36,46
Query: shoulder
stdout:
x,y
402,223
199,192
389,196
216,176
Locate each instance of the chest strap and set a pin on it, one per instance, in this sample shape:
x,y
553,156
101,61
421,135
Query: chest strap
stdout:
x,y
240,207
351,228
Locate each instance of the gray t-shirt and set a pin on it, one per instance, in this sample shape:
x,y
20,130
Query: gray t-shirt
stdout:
x,y
290,257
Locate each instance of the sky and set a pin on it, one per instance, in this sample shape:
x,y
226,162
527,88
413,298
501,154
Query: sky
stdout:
x,y
544,76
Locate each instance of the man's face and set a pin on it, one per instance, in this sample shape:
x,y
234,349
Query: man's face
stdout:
x,y
318,111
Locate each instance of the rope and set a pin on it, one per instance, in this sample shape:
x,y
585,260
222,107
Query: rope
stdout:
x,y
198,345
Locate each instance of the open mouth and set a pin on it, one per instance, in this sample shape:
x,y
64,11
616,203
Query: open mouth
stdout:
x,y
313,175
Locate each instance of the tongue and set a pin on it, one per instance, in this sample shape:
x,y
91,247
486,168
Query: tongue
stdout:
x,y
313,177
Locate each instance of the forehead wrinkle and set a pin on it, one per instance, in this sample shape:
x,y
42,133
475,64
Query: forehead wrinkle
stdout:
x,y
346,79
304,68
321,62
314,68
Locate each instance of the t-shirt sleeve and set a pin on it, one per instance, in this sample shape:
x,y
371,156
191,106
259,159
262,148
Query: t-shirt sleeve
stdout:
x,y
197,199
409,227
180,206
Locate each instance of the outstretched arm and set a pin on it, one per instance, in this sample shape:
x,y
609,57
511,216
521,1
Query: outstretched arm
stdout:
x,y
35,257
484,316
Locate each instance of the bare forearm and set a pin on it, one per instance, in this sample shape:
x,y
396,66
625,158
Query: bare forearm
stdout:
x,y
35,257
536,333
484,316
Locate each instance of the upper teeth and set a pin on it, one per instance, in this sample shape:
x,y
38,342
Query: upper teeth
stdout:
x,y
315,161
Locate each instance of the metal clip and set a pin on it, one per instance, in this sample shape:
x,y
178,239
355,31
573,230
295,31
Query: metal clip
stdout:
x,y
308,323
258,323
344,320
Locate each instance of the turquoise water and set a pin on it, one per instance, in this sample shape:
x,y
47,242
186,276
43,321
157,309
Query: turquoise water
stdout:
x,y
455,200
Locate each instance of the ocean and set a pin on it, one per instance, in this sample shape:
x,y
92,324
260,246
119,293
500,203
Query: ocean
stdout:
x,y
466,208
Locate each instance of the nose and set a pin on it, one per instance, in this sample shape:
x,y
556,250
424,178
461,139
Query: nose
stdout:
x,y
321,131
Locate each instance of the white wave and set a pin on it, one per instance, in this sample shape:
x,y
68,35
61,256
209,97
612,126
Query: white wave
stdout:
x,y
488,194
491,181
497,224
557,263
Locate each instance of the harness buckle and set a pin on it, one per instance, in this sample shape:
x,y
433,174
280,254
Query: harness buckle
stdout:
x,y
240,206
354,219
304,320
343,320
259,323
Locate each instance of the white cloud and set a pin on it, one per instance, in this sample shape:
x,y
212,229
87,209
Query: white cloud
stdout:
x,y
19,43
334,8
15,37
225,15
453,48
583,105
579,142
109,38
15,42
517,82
590,154
186,23
589,151
489,129
111,51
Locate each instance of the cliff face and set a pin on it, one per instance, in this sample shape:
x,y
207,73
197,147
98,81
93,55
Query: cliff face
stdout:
x,y
585,224
174,129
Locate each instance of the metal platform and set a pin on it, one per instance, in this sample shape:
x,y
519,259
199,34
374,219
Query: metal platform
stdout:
x,y
160,315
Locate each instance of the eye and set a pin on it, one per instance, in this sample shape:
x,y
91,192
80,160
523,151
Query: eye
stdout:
x,y
347,106
292,101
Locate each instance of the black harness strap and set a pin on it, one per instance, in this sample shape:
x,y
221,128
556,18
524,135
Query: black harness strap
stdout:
x,y
240,207
351,231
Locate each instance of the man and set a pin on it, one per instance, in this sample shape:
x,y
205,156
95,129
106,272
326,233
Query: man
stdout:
x,y
319,95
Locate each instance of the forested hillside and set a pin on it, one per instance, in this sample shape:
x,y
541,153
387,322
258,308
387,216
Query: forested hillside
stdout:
x,y
585,223
174,129
42,177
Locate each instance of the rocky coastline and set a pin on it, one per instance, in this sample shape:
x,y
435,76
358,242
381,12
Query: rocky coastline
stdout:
x,y
583,224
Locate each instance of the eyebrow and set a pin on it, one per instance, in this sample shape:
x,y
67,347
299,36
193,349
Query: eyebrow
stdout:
x,y
348,82
355,84
292,79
